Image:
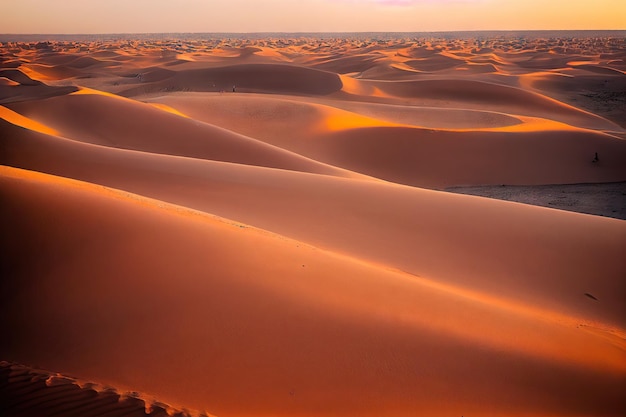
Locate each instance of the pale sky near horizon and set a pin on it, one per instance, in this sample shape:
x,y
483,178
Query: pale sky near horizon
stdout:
x,y
160,16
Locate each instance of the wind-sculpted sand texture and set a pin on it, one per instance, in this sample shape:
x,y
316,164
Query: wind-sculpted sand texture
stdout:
x,y
34,392
259,227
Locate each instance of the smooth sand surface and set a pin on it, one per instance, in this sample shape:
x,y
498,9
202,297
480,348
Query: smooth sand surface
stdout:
x,y
257,228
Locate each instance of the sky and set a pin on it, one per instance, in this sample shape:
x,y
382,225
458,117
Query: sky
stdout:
x,y
241,16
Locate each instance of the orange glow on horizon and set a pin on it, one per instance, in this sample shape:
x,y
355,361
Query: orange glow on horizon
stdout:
x,y
160,16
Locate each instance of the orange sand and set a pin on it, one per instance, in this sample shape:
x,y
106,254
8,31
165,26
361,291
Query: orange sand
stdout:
x,y
283,249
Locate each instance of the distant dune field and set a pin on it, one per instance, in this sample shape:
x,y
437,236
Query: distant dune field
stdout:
x,y
265,227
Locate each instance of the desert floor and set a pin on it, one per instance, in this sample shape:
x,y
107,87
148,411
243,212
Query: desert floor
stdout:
x,y
277,226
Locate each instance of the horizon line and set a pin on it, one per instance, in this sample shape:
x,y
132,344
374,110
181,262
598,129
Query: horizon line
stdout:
x,y
312,32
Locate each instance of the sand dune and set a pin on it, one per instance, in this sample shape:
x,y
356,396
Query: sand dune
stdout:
x,y
315,209
435,159
172,247
292,326
116,122
343,65
477,94
248,78
604,96
19,77
4,81
20,87
485,148
50,72
432,64
271,118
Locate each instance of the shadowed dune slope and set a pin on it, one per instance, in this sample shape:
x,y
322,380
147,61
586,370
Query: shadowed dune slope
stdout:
x,y
268,78
20,87
603,94
252,324
346,64
437,158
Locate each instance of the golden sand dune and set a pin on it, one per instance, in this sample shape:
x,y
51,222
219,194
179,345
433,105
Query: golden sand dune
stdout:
x,y
252,227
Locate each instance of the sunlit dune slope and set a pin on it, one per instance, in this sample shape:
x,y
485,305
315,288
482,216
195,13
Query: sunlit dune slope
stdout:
x,y
544,257
215,315
436,158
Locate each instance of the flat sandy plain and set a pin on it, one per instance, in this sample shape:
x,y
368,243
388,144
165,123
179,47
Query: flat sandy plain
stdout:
x,y
251,226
